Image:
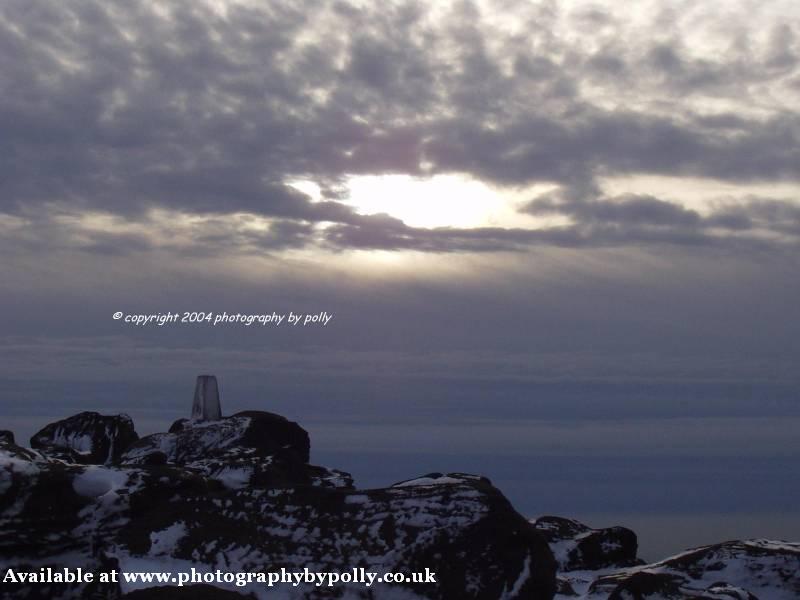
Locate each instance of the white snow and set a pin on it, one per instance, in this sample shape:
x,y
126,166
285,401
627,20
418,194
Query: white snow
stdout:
x,y
233,478
730,563
9,465
521,579
444,480
97,481
162,543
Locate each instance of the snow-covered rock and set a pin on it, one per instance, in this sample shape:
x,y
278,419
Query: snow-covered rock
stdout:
x,y
238,495
188,440
762,569
200,508
601,564
87,438
250,448
440,479
579,547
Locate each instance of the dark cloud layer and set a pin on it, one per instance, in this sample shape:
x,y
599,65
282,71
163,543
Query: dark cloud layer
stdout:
x,y
122,108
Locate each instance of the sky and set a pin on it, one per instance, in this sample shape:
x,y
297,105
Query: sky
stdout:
x,y
559,240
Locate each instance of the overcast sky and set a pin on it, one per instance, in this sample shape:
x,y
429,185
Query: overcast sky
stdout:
x,y
490,198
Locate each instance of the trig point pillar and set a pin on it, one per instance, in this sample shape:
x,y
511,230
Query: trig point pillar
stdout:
x,y
206,405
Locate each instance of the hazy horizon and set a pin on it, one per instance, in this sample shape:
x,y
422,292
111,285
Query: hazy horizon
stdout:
x,y
679,478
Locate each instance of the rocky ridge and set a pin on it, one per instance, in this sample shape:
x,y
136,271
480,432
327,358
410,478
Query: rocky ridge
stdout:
x,y
601,564
238,494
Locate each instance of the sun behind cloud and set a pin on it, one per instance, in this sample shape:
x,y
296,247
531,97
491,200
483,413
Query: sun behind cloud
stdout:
x,y
447,200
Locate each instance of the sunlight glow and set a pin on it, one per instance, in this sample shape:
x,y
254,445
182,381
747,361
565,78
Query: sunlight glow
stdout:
x,y
441,201
437,201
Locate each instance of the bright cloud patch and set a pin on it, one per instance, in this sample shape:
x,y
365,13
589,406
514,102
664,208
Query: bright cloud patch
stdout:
x,y
438,201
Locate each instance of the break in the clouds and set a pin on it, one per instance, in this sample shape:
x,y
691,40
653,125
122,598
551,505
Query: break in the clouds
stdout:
x,y
246,127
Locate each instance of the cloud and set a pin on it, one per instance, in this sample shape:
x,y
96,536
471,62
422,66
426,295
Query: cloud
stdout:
x,y
633,210
642,216
756,224
210,109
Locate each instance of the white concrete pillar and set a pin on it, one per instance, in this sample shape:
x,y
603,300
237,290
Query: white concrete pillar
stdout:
x,y
206,406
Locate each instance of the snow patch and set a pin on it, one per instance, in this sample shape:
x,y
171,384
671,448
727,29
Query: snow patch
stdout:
x,y
97,481
234,478
163,543
443,480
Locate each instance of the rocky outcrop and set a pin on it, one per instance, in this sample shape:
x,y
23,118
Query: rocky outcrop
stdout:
x,y
578,547
738,570
655,586
86,438
236,495
262,431
601,564
251,448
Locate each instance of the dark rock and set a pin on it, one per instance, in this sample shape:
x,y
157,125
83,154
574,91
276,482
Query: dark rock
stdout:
x,y
38,504
269,432
639,586
578,547
179,425
258,432
6,436
325,477
154,458
87,438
